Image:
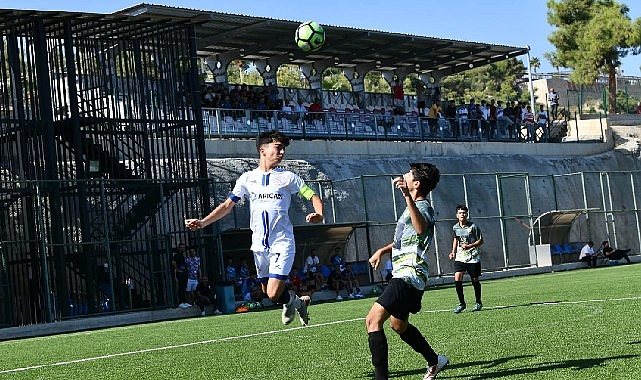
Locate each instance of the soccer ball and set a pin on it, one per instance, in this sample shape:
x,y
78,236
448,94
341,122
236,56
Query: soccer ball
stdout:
x,y
310,36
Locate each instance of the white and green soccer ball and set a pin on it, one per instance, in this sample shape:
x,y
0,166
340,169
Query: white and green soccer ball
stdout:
x,y
310,36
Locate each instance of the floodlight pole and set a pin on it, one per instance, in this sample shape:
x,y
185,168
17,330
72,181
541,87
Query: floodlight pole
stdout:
x,y
531,86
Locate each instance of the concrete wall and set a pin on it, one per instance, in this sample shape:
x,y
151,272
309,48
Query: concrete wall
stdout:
x,y
319,149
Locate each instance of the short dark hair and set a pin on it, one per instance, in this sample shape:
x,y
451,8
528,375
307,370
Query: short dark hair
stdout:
x,y
269,137
461,207
427,174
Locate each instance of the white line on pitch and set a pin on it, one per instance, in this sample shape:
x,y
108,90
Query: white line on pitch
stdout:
x,y
174,346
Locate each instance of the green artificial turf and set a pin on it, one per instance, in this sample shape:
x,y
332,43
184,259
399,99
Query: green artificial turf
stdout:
x,y
581,324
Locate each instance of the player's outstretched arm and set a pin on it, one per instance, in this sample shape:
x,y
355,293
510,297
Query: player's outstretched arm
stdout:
x,y
375,260
317,215
217,214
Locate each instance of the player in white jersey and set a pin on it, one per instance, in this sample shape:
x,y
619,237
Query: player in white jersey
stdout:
x,y
269,190
404,292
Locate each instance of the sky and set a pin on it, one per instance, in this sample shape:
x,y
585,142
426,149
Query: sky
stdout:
x,y
505,22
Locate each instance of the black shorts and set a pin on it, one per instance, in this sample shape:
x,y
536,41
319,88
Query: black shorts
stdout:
x,y
400,299
473,269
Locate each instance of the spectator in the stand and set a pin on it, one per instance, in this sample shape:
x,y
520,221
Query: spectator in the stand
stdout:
x,y
315,111
337,259
242,274
193,273
518,118
463,118
492,118
483,112
503,119
312,269
180,272
337,281
352,282
230,270
639,108
420,99
542,118
553,98
398,94
529,124
298,111
433,116
252,285
613,254
226,102
210,96
286,110
243,102
273,92
450,114
588,255
295,281
472,115
205,296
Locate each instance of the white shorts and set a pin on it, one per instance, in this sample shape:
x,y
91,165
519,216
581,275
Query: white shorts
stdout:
x,y
273,265
191,285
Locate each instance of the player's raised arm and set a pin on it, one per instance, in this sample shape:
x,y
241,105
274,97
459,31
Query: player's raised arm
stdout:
x,y
217,214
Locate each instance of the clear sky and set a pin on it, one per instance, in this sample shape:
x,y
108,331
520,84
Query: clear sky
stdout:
x,y
506,22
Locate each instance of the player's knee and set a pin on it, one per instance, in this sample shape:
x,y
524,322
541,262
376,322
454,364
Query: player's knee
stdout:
x,y
373,322
398,325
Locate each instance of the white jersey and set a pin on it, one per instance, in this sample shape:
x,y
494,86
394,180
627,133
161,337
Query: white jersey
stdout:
x,y
269,195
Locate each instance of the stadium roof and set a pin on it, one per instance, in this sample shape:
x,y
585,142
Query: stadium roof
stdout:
x,y
257,38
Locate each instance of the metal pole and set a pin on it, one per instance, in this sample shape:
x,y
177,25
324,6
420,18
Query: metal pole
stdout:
x,y
605,209
530,85
44,265
636,209
614,227
499,198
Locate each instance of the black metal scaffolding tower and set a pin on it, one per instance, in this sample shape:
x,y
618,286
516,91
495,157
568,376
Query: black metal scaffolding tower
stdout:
x,y
101,157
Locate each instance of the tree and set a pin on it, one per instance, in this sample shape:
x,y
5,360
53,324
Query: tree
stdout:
x,y
535,63
591,39
498,80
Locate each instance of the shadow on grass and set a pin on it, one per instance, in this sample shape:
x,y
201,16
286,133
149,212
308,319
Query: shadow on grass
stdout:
x,y
485,364
487,373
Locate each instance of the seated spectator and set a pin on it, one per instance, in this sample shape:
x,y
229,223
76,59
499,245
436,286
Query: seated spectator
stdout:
x,y
242,273
298,111
588,255
336,281
337,259
315,110
613,254
295,281
230,270
249,285
312,269
205,296
352,282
